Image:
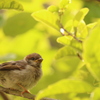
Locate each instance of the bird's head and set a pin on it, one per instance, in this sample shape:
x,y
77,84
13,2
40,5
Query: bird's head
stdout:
x,y
34,59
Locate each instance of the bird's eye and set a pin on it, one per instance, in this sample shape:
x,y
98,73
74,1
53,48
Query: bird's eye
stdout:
x,y
32,58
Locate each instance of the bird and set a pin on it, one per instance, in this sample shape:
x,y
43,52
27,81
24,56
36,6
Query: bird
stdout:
x,y
23,74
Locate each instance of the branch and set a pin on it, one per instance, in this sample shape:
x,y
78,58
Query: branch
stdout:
x,y
18,93
4,96
72,36
80,57
62,30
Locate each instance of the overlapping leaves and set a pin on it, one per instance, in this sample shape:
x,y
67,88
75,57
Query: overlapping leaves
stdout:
x,y
66,86
10,4
92,52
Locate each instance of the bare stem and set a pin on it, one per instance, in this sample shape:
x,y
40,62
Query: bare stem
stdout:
x,y
79,56
70,34
4,96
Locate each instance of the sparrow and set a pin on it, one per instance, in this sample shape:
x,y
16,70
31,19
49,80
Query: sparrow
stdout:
x,y
23,74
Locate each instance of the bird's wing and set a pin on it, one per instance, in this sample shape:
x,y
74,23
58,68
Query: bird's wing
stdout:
x,y
13,65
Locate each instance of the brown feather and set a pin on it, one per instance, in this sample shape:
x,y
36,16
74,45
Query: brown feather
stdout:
x,y
13,65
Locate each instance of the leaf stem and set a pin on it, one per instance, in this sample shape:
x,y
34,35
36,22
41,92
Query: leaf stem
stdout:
x,y
61,26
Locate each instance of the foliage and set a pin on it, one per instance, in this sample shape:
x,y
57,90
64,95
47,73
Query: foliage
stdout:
x,y
11,4
70,46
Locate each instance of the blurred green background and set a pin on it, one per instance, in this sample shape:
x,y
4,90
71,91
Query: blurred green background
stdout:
x,y
21,35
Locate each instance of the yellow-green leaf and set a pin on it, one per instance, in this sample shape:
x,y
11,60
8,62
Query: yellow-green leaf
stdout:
x,y
82,31
10,4
65,40
65,86
95,95
92,52
91,26
53,8
65,52
47,17
64,3
80,16
19,24
69,41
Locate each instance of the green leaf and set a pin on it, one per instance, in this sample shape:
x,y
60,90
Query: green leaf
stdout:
x,y
10,4
91,26
53,8
64,3
65,51
80,16
68,40
48,18
65,86
95,95
92,52
82,31
65,40
2,20
19,24
76,45
67,64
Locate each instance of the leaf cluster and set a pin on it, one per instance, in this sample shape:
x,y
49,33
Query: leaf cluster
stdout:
x,y
74,57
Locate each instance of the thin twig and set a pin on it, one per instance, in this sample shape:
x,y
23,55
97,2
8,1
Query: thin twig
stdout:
x,y
72,36
18,93
61,26
79,56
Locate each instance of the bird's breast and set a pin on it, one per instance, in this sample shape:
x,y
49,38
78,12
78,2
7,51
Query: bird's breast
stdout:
x,y
34,74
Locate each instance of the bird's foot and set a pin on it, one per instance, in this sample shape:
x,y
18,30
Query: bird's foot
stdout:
x,y
25,90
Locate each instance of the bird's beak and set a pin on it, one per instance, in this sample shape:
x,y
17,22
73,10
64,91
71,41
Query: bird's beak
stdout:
x,y
39,60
